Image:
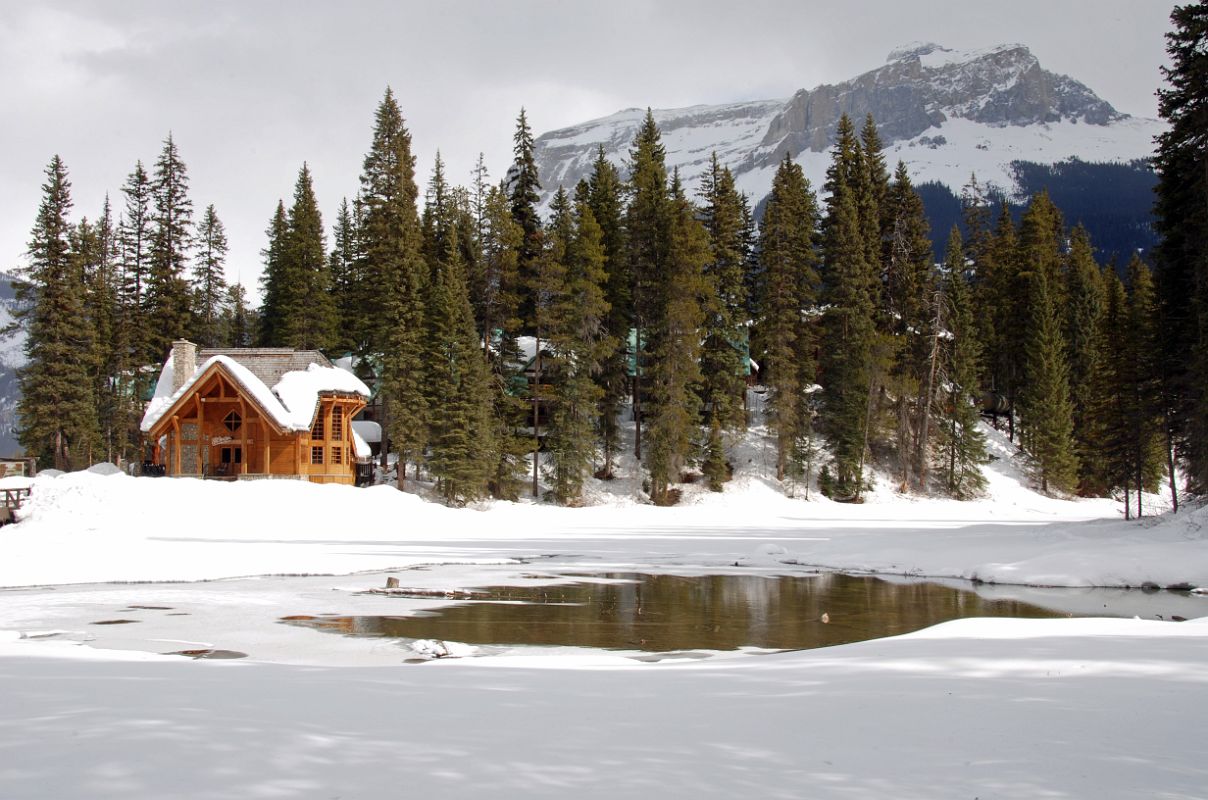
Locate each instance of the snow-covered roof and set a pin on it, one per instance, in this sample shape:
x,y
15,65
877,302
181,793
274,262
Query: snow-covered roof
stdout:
x,y
368,430
290,404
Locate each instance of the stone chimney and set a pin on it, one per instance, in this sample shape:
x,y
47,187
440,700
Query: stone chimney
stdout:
x,y
184,362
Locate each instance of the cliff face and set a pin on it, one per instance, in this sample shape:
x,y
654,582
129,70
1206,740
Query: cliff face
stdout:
x,y
945,113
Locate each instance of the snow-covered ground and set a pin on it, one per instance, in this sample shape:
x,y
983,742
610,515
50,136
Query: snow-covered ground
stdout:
x,y
974,708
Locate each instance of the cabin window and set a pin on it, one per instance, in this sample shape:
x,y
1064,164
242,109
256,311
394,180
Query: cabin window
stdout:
x,y
232,421
337,424
316,455
317,431
337,455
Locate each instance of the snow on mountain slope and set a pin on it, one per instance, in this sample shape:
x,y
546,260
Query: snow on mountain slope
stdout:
x,y
946,113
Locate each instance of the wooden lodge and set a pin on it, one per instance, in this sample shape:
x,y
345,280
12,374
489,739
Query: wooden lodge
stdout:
x,y
255,413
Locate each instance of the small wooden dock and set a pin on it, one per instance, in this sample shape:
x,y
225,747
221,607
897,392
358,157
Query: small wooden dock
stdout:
x,y
13,498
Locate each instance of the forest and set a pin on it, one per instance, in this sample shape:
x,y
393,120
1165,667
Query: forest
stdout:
x,y
652,307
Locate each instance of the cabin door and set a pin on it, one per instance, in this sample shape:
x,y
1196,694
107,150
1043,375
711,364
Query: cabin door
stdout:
x,y
230,461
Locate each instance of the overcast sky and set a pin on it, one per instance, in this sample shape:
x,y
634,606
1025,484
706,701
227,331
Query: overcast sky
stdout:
x,y
250,90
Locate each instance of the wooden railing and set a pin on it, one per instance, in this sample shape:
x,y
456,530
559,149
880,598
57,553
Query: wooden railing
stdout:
x,y
14,497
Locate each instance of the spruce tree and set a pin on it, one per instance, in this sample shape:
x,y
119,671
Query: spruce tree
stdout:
x,y
907,330
1085,292
275,282
524,190
787,297
394,276
342,267
604,195
1181,220
1144,401
647,222
238,323
308,319
461,436
209,279
1046,412
725,332
168,300
964,445
1108,417
57,409
848,329
134,237
675,330
579,338
99,253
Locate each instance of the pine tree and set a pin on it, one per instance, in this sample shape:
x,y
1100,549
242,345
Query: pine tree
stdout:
x,y
675,330
394,276
787,296
647,221
57,409
275,283
848,329
963,443
168,300
604,195
725,333
524,190
209,279
1181,219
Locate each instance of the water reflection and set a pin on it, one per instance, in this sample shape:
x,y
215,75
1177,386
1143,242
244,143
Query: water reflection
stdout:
x,y
662,613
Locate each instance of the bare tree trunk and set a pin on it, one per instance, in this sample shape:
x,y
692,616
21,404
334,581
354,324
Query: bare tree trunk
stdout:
x,y
537,418
925,400
1174,492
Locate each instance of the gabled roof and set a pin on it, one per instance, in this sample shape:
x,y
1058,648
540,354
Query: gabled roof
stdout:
x,y
290,405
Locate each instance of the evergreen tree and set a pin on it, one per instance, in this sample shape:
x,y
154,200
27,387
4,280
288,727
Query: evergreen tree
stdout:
x,y
57,409
579,338
1143,387
1004,297
168,296
524,190
461,448
963,443
722,368
908,333
342,267
134,237
209,279
848,328
1181,219
604,195
238,323
675,330
1085,292
274,282
498,307
99,253
647,222
1046,412
394,276
308,318
1108,413
788,293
